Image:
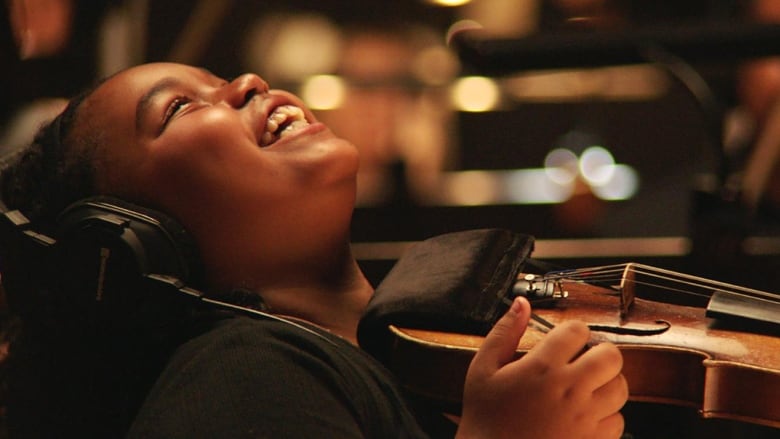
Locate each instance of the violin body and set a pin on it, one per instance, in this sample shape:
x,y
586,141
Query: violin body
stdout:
x,y
673,354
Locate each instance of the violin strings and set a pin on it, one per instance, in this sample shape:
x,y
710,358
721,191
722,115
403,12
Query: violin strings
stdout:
x,y
704,283
586,272
604,274
615,274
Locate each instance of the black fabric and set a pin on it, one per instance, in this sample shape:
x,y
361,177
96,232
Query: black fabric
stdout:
x,y
456,282
63,385
268,379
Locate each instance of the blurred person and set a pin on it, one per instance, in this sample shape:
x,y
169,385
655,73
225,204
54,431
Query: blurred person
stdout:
x,y
41,27
758,89
400,124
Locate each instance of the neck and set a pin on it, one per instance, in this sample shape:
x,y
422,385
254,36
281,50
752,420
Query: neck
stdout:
x,y
335,303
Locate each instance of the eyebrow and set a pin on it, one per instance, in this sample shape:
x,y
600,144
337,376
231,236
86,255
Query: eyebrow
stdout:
x,y
145,102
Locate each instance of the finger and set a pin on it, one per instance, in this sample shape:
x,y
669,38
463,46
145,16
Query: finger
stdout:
x,y
561,344
501,342
598,365
611,427
611,397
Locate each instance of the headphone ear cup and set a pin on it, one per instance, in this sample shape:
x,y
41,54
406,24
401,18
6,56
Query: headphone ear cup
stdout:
x,y
105,250
166,247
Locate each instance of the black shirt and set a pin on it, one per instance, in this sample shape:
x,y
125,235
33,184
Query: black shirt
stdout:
x,y
263,378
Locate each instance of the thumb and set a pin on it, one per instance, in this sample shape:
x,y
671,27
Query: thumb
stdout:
x,y
501,342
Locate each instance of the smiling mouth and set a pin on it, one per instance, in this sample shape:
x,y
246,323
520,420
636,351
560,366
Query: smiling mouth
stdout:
x,y
283,121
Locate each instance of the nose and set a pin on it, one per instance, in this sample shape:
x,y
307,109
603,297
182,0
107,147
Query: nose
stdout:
x,y
240,90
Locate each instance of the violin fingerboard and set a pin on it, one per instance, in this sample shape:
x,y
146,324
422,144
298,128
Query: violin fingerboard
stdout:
x,y
727,305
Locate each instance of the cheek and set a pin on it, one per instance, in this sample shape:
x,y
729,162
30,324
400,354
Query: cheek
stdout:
x,y
192,155
211,131
202,139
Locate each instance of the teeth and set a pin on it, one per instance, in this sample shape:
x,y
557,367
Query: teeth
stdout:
x,y
292,127
290,115
273,123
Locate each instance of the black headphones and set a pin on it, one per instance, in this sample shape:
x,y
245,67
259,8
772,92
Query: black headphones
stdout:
x,y
111,267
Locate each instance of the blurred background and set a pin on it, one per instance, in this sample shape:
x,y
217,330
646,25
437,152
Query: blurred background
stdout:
x,y
611,130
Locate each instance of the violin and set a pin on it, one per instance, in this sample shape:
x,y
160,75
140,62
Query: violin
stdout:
x,y
719,353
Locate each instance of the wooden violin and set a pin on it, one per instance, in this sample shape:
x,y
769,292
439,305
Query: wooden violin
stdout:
x,y
722,358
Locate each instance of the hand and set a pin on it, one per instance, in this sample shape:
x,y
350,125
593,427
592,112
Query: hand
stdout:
x,y
551,392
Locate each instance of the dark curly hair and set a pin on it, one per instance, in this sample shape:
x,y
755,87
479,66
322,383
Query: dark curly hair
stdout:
x,y
54,171
39,180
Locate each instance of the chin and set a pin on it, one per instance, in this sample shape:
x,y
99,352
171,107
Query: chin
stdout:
x,y
341,159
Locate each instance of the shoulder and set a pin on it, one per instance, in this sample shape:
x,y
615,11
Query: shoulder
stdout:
x,y
248,336
248,374
256,351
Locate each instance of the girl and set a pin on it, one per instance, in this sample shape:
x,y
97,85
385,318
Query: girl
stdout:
x,y
267,192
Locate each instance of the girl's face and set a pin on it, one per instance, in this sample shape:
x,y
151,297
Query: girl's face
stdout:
x,y
248,170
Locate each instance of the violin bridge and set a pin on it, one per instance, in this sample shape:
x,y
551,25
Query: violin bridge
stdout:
x,y
627,292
